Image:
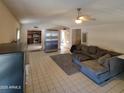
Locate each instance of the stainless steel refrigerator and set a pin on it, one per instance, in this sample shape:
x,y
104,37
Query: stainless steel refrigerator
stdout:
x,y
51,40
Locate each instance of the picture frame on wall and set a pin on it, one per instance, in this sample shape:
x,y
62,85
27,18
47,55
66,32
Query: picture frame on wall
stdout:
x,y
84,38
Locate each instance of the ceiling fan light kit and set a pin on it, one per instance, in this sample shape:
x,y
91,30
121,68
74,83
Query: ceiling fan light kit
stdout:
x,y
78,21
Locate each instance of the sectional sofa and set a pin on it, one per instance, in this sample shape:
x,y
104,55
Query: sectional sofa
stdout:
x,y
97,63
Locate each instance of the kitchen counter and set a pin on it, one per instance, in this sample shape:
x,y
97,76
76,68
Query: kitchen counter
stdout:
x,y
11,48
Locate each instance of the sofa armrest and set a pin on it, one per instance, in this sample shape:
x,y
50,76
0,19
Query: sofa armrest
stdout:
x,y
73,48
116,65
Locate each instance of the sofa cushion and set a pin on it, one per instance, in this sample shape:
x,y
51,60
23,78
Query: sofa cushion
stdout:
x,y
82,57
94,67
93,56
104,60
92,49
76,52
101,52
84,48
78,47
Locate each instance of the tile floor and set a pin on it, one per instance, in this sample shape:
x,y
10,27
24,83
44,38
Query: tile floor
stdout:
x,y
34,47
45,76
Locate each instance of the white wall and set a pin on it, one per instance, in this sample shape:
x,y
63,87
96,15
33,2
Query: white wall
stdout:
x,y
8,25
109,36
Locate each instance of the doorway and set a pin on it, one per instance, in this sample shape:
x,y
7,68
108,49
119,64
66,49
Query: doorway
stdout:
x,y
65,39
34,40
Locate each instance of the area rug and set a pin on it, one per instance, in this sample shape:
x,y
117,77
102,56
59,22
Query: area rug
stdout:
x,y
64,61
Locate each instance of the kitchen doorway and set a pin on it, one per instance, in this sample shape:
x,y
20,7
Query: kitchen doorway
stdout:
x,y
34,40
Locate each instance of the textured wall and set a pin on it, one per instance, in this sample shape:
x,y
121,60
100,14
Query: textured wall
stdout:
x,y
109,36
8,25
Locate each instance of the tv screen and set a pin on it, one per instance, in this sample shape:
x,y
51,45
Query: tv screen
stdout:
x,y
11,73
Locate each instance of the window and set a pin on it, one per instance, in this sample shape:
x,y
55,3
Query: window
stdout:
x,y
18,35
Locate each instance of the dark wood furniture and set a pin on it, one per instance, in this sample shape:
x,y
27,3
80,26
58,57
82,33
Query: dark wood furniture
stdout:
x,y
34,37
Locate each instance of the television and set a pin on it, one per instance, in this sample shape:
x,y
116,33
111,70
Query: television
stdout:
x,y
12,73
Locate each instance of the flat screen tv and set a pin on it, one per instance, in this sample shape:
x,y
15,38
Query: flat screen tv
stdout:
x,y
11,73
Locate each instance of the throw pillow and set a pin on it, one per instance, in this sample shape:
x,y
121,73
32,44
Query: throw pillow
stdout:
x,y
104,60
92,49
78,47
84,48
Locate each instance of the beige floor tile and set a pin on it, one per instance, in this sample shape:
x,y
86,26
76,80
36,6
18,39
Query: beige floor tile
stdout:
x,y
45,76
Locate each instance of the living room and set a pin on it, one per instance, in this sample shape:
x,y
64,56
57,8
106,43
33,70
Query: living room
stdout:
x,y
61,52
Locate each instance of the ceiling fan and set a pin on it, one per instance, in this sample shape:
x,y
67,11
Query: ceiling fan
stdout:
x,y
80,18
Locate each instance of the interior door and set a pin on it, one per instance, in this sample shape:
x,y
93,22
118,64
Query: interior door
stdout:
x,y
76,36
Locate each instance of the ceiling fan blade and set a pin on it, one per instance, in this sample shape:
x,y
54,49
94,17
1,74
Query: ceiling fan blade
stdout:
x,y
86,18
93,19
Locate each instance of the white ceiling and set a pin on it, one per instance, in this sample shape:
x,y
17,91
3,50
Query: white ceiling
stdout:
x,y
63,12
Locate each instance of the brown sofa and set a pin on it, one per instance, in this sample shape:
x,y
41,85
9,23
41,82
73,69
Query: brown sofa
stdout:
x,y
84,52
97,63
